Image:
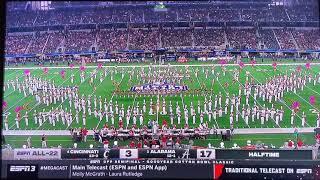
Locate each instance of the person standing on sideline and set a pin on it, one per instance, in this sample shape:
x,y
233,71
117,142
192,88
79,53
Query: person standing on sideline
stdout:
x,y
44,141
29,142
84,133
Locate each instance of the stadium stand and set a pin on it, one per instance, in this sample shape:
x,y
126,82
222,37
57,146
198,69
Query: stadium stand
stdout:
x,y
176,38
181,35
112,40
79,41
209,37
54,41
268,38
285,39
17,44
143,39
307,39
242,38
38,43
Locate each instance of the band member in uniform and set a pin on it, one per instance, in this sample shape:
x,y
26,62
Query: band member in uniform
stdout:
x,y
303,122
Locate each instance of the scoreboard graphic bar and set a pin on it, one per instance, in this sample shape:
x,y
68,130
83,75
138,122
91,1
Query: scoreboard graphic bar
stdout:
x,y
186,154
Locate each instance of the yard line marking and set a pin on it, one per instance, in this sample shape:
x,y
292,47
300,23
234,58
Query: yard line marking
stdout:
x,y
238,111
40,103
253,98
19,101
216,123
21,76
283,102
110,100
90,95
66,98
302,97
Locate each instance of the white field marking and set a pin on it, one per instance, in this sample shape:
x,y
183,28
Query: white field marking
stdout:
x,y
66,98
183,105
58,85
91,95
134,100
257,100
316,81
109,102
238,111
174,65
302,97
200,86
13,72
283,102
10,87
21,99
6,76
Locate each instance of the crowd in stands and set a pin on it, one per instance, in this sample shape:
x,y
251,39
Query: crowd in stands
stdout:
x,y
78,41
54,41
149,39
112,40
285,39
56,17
307,39
208,37
176,37
38,43
224,15
268,39
21,18
255,15
279,14
143,39
17,44
242,38
146,14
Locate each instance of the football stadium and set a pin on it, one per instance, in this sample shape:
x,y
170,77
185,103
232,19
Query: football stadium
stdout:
x,y
171,74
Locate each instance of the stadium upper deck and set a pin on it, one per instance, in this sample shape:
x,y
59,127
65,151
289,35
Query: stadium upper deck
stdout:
x,y
87,14
205,24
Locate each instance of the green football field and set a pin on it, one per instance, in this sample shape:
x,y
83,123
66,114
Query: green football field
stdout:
x,y
260,74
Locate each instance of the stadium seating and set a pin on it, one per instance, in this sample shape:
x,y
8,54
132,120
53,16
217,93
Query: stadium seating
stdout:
x,y
38,43
54,40
209,37
307,39
79,41
143,39
112,40
17,44
242,38
268,38
131,38
176,38
285,39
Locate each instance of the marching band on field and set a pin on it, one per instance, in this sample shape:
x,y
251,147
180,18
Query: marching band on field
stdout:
x,y
214,106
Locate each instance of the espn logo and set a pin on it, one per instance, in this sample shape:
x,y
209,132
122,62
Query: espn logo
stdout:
x,y
22,168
